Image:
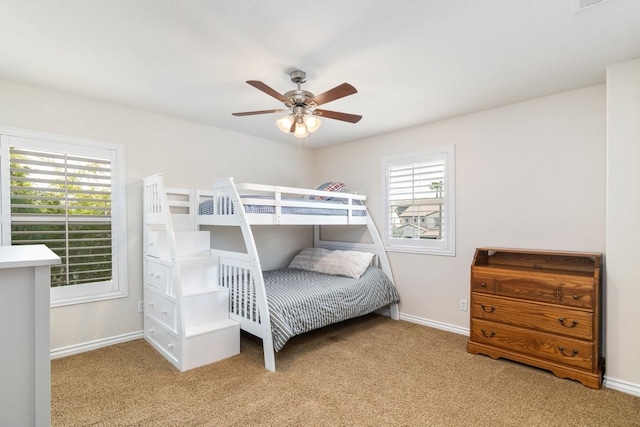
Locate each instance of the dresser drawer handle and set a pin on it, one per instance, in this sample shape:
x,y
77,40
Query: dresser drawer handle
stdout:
x,y
577,297
574,352
564,323
490,310
483,285
488,335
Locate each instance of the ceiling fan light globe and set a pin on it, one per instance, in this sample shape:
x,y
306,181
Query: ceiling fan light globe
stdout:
x,y
284,124
312,123
301,131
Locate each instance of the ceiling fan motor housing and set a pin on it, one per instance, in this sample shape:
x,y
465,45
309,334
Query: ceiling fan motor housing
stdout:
x,y
298,77
298,97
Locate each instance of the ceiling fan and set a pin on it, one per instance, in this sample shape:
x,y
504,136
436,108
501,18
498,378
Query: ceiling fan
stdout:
x,y
302,111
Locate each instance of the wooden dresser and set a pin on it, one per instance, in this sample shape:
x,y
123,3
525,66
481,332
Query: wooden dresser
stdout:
x,y
541,308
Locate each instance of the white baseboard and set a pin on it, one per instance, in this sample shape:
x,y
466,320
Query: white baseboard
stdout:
x,y
620,385
93,345
433,324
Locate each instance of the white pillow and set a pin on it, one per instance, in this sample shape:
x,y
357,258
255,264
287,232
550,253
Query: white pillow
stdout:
x,y
338,263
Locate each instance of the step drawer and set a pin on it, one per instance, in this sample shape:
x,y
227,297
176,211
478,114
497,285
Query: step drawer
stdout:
x,y
564,350
164,340
554,319
157,276
161,309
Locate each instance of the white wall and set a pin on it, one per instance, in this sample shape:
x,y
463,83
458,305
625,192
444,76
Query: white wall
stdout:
x,y
528,175
188,154
623,226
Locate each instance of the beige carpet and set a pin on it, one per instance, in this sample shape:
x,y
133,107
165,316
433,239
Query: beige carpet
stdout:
x,y
370,371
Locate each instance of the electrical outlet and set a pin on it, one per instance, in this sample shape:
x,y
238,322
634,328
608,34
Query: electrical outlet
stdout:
x,y
140,306
463,305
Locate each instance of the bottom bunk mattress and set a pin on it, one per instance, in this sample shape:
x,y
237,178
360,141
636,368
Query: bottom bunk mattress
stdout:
x,y
301,301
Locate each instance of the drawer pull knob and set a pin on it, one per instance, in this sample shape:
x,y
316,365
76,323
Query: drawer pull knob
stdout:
x,y
574,352
488,335
489,310
576,297
483,285
564,323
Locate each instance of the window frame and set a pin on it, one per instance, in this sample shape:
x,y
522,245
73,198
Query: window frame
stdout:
x,y
444,246
88,292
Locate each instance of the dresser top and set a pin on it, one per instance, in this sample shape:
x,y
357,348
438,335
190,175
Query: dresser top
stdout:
x,y
584,263
492,249
27,256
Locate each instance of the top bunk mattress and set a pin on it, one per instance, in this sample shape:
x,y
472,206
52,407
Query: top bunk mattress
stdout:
x,y
261,204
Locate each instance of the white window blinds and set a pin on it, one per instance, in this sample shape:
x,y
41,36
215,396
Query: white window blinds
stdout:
x,y
416,196
419,202
64,202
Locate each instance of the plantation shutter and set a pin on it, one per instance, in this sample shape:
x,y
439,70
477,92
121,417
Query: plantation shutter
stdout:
x,y
64,202
416,200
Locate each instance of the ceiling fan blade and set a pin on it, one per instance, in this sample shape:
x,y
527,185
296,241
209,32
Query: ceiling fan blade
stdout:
x,y
253,113
345,117
266,89
337,92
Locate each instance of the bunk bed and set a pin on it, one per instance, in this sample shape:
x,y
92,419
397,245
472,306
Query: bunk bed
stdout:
x,y
276,305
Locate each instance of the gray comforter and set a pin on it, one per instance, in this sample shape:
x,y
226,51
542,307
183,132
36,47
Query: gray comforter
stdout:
x,y
300,301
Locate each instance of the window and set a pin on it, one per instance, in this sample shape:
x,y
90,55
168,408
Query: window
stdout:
x,y
67,194
419,202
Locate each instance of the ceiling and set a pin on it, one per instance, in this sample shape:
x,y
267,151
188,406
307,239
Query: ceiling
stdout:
x,y
412,61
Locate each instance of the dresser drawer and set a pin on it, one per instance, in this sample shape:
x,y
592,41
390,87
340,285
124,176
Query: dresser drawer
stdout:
x,y
157,276
555,319
163,340
528,288
161,309
515,286
567,351
482,283
578,295
554,289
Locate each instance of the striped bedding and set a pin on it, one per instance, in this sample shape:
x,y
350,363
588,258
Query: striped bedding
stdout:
x,y
301,301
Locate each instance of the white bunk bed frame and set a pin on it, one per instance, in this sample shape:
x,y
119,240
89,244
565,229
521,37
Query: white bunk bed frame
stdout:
x,y
241,272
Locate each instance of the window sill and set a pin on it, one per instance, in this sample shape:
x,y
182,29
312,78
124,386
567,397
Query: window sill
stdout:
x,y
423,251
61,302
